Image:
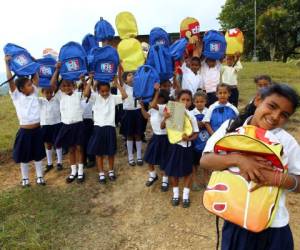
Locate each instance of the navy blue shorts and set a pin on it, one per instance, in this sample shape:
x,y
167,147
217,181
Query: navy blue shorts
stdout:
x,y
132,123
157,149
196,157
29,145
236,238
70,135
103,141
50,132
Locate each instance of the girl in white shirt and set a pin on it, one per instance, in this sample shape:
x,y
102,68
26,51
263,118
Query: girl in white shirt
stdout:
x,y
51,124
274,106
71,133
158,145
180,155
28,144
103,141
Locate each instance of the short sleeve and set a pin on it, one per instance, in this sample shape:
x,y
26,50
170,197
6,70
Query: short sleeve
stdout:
x,y
217,135
15,94
238,66
118,99
161,108
208,114
194,123
184,68
58,95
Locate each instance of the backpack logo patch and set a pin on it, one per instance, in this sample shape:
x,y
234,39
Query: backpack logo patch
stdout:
x,y
45,70
22,60
72,65
215,47
107,68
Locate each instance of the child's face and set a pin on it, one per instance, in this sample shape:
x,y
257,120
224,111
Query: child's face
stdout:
x,y
271,112
262,83
27,89
211,63
229,60
166,86
200,102
47,93
67,87
129,78
223,95
186,100
104,91
195,66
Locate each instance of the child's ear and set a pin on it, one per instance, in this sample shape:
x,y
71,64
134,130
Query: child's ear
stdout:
x,y
257,99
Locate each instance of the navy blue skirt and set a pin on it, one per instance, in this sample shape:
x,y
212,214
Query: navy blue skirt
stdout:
x,y
29,145
237,238
70,135
50,132
179,161
103,141
157,151
132,123
196,157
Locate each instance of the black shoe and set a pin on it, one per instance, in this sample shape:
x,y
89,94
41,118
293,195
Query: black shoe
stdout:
x,y
175,202
25,183
165,187
131,163
40,181
186,203
140,162
59,167
71,178
151,181
102,180
112,176
48,168
80,178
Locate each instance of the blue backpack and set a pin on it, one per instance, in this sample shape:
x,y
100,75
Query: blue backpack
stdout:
x,y
73,61
203,136
159,36
104,30
105,62
220,114
214,45
177,49
159,57
143,83
89,42
22,63
46,70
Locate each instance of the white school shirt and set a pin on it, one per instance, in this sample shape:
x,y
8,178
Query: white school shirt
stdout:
x,y
211,76
87,108
195,112
190,80
27,107
104,109
156,117
129,102
195,127
50,111
70,107
291,157
229,73
211,108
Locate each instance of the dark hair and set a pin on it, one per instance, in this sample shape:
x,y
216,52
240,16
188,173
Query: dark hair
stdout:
x,y
279,89
263,77
184,91
196,59
99,84
200,93
165,81
224,85
20,82
164,94
125,74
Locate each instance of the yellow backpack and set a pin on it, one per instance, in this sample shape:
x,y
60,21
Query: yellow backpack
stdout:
x,y
227,194
126,25
235,41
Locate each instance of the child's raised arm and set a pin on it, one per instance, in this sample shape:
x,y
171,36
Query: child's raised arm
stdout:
x,y
54,78
145,114
9,76
120,88
153,104
87,85
36,79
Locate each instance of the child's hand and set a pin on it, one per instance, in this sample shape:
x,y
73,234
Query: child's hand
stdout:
x,y
167,114
185,137
141,103
91,74
156,86
237,55
58,65
200,124
82,77
7,59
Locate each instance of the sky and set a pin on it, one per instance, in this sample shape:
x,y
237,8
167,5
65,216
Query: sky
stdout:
x,y
39,24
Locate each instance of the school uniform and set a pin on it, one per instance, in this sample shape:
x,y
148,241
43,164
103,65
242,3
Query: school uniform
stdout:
x,y
199,143
190,80
50,118
133,122
278,235
103,140
180,155
28,144
211,79
229,77
158,145
71,132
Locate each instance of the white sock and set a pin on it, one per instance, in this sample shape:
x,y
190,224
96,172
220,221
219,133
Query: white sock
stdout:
x,y
49,156
73,170
24,170
59,155
102,175
80,169
130,149
138,149
38,169
186,192
175,192
152,175
165,180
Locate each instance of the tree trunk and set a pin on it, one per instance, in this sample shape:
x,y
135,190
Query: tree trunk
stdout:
x,y
272,52
285,57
